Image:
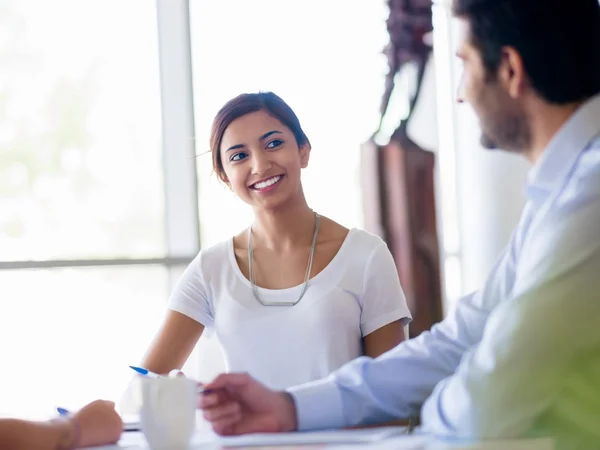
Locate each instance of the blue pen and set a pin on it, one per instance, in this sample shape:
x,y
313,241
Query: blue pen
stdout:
x,y
145,372
148,373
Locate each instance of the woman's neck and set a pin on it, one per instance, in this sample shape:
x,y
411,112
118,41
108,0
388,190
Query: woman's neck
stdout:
x,y
285,228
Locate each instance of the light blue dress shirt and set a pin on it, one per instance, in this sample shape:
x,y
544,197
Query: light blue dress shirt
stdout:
x,y
519,357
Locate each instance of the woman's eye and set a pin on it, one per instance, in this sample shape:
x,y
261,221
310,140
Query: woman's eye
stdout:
x,y
274,143
238,156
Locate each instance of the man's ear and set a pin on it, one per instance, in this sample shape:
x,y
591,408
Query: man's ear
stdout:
x,y
304,155
511,72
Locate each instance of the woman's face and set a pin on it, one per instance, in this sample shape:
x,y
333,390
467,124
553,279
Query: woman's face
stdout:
x,y
262,161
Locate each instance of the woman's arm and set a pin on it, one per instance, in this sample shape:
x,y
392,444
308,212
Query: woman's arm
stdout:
x,y
96,424
379,342
190,310
384,311
22,434
384,339
173,343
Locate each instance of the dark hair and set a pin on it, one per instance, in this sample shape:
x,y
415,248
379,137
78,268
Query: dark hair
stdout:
x,y
245,104
558,40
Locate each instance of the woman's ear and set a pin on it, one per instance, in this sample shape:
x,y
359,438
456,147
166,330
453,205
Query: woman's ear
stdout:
x,y
304,155
223,178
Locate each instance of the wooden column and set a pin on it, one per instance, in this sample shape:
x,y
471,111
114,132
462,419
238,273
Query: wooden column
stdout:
x,y
399,205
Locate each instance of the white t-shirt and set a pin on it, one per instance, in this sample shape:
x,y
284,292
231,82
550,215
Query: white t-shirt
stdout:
x,y
357,293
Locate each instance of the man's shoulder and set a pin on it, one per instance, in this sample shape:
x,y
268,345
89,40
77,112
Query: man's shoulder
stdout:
x,y
588,165
583,185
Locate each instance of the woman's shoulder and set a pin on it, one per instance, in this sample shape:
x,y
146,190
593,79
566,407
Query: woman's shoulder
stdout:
x,y
212,258
332,230
359,241
355,242
218,250
367,239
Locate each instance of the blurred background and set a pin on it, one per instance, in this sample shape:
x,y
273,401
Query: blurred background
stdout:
x,y
107,193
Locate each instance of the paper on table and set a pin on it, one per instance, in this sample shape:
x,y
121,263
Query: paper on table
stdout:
x,y
135,440
131,422
512,444
360,436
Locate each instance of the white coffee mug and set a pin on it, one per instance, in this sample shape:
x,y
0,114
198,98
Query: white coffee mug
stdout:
x,y
168,412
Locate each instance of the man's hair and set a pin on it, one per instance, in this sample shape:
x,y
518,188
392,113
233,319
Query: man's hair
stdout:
x,y
558,40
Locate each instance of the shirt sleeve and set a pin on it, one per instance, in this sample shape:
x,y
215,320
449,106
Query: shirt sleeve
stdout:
x,y
546,332
383,300
396,384
392,386
190,295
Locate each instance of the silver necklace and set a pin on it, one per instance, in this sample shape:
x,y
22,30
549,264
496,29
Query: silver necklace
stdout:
x,y
306,277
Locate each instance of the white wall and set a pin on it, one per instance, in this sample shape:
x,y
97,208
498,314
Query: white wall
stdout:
x,y
491,188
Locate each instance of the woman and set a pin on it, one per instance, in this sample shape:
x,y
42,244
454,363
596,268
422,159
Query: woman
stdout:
x,y
295,295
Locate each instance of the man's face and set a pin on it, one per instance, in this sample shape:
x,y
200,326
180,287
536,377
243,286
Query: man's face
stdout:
x,y
504,123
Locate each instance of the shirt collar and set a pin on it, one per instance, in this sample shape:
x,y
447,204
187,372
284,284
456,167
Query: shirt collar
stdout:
x,y
564,148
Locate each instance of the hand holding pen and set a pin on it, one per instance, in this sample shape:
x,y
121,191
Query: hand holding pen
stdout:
x,y
95,424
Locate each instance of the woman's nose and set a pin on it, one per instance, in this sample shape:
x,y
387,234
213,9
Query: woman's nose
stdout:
x,y
260,163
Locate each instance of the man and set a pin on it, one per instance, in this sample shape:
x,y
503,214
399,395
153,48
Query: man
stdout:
x,y
95,424
520,357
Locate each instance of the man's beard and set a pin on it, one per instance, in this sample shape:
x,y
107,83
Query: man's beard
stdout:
x,y
487,142
504,124
510,132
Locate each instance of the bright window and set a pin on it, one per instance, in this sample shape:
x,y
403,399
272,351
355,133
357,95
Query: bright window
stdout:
x,y
80,149
81,184
69,334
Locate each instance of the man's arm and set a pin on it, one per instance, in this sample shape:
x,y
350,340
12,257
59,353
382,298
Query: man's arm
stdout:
x,y
395,385
545,333
364,392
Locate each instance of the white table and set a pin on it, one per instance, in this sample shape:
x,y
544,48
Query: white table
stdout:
x,y
208,441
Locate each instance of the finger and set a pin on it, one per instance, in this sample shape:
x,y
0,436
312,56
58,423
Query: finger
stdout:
x,y
210,399
241,425
223,429
107,403
201,389
225,380
201,395
215,414
229,421
227,426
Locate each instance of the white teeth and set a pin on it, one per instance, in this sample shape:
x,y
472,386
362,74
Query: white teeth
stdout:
x,y
267,183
